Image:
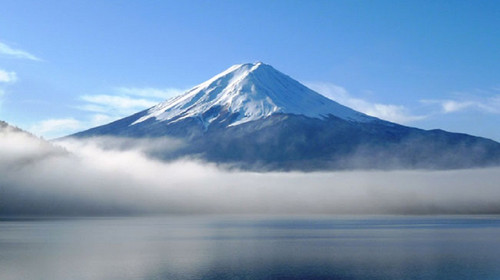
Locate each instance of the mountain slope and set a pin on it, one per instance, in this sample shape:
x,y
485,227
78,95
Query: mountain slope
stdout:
x,y
256,117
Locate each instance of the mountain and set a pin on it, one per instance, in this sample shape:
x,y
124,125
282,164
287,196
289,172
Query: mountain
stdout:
x,y
255,117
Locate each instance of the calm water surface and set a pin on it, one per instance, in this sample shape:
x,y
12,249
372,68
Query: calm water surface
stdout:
x,y
388,247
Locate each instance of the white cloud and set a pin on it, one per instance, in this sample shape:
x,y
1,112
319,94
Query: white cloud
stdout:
x,y
103,108
450,106
53,128
56,127
17,53
390,112
106,107
395,113
128,100
100,119
489,104
7,77
93,108
151,92
118,102
2,93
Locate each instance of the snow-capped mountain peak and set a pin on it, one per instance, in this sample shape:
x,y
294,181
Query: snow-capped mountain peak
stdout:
x,y
233,119
248,92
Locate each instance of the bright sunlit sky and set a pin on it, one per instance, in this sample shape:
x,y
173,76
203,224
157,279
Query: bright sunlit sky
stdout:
x,y
70,65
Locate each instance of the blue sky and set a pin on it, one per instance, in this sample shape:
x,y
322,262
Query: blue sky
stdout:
x,y
69,65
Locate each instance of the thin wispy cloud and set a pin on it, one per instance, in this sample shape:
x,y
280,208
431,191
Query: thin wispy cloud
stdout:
x,y
93,108
123,101
55,127
390,112
7,76
2,93
118,102
103,109
126,100
150,92
99,119
6,50
59,127
486,102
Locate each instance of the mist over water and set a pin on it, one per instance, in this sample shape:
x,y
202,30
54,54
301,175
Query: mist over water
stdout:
x,y
107,176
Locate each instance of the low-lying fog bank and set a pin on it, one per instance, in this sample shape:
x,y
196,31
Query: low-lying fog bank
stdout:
x,y
93,178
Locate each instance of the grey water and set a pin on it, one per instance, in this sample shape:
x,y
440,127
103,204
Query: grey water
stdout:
x,y
249,247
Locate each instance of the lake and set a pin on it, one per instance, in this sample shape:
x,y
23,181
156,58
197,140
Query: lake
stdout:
x,y
250,247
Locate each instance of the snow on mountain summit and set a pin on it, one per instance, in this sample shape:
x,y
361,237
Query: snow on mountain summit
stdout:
x,y
248,92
